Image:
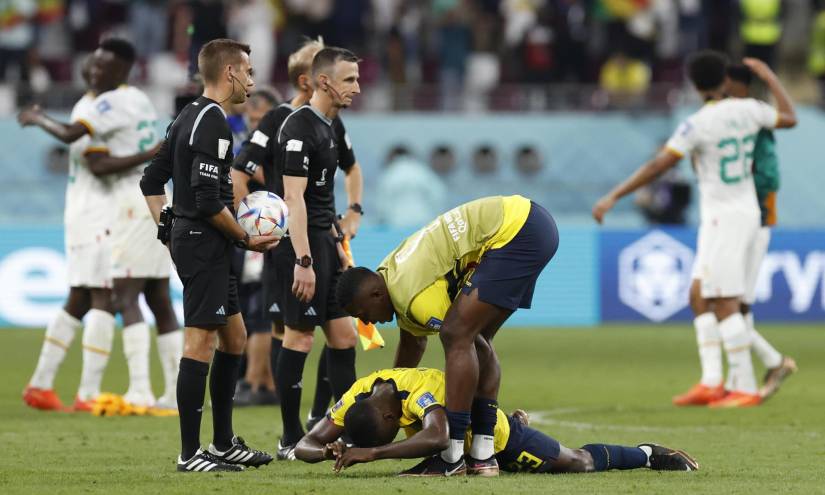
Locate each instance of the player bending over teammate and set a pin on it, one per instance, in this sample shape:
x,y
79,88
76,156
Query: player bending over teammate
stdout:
x,y
378,405
720,138
460,277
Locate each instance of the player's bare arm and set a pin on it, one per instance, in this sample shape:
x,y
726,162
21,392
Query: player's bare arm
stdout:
x,y
240,186
226,223
316,446
101,163
66,133
645,174
433,438
155,204
410,350
354,185
784,105
304,278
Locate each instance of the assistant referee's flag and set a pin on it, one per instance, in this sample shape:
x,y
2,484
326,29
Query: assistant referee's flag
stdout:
x,y
367,333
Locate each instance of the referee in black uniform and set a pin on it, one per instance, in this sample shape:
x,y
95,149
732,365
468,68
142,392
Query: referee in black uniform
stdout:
x,y
197,156
259,160
308,262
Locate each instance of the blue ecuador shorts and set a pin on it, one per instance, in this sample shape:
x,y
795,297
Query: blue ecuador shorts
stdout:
x,y
527,450
506,277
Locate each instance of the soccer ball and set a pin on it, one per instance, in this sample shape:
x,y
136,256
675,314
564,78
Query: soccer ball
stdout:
x,y
263,213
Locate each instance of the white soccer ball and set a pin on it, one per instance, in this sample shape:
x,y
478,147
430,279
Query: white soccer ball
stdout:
x,y
263,213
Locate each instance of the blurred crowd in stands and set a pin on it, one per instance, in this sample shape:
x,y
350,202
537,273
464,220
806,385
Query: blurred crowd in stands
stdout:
x,y
436,54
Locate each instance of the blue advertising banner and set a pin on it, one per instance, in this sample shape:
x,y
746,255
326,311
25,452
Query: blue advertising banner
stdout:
x,y
646,275
33,276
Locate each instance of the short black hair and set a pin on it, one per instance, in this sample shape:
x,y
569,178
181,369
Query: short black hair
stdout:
x,y
349,283
328,56
123,49
362,424
707,69
740,73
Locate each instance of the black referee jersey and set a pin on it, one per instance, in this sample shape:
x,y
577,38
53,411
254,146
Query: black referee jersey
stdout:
x,y
197,156
262,149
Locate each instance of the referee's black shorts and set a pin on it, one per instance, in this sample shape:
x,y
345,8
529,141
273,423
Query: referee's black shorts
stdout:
x,y
202,256
282,305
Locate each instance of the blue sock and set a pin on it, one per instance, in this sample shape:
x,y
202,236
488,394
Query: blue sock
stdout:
x,y
458,421
616,457
484,415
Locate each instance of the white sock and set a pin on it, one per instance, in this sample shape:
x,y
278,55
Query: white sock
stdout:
x,y
136,346
710,348
170,350
454,452
737,342
97,345
648,452
767,353
59,336
482,447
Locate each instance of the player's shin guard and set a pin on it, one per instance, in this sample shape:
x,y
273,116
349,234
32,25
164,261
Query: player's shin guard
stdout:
x,y
225,369
191,391
288,379
616,456
737,346
323,387
710,348
458,422
484,414
136,345
97,345
170,350
59,336
341,370
767,353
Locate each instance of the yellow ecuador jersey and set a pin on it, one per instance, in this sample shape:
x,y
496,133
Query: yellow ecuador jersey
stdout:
x,y
420,389
419,272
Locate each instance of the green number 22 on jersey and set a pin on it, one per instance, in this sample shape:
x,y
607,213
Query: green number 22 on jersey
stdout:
x,y
736,152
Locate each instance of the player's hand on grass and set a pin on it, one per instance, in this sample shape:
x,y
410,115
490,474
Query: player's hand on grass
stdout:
x,y
331,451
29,116
352,456
759,68
262,243
602,206
303,285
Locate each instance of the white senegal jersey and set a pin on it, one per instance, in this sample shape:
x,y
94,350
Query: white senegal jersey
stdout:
x,y
122,121
88,197
720,138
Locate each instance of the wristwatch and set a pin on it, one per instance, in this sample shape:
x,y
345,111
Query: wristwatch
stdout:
x,y
304,261
242,243
356,207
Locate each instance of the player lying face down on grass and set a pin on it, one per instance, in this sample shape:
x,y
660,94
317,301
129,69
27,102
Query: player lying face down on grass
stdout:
x,y
378,405
460,277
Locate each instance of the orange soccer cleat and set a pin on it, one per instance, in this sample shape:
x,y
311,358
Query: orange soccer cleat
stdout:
x,y
41,398
83,405
736,399
699,395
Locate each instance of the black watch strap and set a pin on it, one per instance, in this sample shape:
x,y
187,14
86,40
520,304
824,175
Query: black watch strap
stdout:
x,y
356,207
243,243
304,261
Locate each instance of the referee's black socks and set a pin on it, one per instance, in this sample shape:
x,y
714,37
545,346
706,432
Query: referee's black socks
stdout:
x,y
288,377
191,390
323,390
341,370
222,380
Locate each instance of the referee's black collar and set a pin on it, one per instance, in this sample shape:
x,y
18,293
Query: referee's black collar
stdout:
x,y
321,116
208,101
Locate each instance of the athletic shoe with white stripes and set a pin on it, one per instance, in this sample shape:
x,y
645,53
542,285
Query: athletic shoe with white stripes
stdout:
x,y
240,453
203,462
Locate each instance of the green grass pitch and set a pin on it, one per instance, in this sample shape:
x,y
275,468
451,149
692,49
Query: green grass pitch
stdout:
x,y
610,384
